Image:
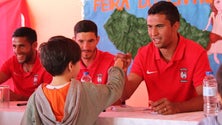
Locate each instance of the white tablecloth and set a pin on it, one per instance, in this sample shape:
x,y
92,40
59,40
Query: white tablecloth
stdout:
x,y
114,116
12,115
142,116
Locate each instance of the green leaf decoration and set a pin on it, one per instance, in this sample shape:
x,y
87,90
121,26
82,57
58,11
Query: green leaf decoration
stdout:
x,y
193,33
128,33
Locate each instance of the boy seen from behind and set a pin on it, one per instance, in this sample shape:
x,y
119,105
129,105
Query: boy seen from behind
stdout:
x,y
66,100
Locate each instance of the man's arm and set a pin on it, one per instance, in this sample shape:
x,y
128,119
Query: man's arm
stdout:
x,y
194,104
164,106
3,77
13,96
132,82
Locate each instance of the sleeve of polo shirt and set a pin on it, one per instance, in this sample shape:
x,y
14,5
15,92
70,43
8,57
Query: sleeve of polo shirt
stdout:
x,y
6,67
137,66
202,66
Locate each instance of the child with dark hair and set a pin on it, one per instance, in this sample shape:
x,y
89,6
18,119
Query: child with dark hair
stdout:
x,y
66,100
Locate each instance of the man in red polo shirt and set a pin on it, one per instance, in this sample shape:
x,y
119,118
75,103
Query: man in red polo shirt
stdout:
x,y
95,61
172,66
24,67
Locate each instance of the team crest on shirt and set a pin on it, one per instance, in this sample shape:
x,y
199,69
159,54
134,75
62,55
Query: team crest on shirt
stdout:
x,y
183,75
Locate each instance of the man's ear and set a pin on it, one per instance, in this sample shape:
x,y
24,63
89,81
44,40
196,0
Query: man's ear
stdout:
x,y
98,38
177,26
34,45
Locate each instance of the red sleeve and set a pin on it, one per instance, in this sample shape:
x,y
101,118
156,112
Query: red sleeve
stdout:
x,y
201,67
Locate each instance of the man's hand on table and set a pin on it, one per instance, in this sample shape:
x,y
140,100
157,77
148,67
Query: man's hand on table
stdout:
x,y
164,106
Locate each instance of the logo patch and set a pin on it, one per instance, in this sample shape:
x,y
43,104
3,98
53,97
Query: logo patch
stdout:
x,y
150,72
183,75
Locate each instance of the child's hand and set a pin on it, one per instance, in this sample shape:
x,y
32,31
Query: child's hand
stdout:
x,y
126,58
118,63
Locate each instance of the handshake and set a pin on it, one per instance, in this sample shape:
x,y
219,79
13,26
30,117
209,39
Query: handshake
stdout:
x,y
123,60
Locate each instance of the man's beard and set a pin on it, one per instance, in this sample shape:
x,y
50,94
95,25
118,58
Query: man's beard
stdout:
x,y
89,55
28,57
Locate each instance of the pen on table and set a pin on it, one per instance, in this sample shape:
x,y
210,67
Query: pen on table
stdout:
x,y
21,104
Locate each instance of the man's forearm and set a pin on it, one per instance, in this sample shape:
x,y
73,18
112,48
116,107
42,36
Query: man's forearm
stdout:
x,y
194,104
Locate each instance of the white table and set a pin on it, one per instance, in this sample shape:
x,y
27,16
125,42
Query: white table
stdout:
x,y
141,116
114,116
13,114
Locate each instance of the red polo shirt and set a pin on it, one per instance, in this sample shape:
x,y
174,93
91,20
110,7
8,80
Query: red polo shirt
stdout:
x,y
100,65
25,83
177,79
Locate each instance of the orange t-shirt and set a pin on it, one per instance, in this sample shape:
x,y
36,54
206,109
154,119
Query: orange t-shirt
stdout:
x,y
56,98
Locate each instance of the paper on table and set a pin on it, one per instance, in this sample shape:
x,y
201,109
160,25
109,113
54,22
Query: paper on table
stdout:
x,y
126,108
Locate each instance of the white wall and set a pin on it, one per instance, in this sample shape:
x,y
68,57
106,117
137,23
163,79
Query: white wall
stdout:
x,y
54,17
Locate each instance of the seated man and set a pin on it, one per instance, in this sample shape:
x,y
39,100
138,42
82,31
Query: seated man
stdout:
x,y
24,67
95,61
172,66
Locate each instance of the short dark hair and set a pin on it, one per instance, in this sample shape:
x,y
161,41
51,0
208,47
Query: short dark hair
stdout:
x,y
166,8
85,26
56,54
219,80
27,32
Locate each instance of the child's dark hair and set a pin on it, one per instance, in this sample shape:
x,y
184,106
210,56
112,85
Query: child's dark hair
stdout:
x,y
56,54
